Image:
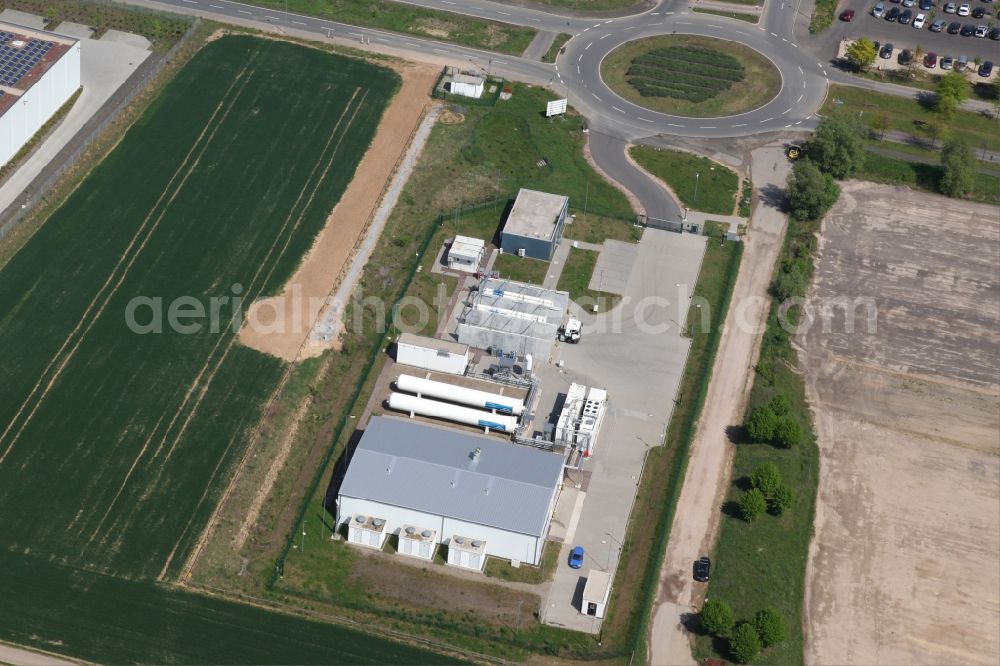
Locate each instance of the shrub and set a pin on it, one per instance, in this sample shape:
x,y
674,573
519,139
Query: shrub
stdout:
x,y
787,433
766,478
745,643
781,500
779,405
752,504
761,424
716,617
957,161
810,192
770,627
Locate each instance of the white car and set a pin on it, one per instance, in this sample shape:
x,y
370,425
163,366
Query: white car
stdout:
x,y
918,22
964,9
907,3
982,30
950,8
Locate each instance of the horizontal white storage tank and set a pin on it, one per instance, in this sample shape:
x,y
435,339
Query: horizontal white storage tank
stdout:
x,y
442,410
466,396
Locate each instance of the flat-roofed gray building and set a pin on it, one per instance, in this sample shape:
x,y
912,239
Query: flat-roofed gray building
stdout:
x,y
535,224
412,478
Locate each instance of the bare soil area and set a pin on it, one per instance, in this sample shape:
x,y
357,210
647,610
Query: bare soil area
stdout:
x,y
903,567
298,306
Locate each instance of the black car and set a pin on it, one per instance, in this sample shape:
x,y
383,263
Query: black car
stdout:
x,y
906,17
995,34
925,5
701,569
968,30
986,69
905,57
886,51
954,27
892,14
979,12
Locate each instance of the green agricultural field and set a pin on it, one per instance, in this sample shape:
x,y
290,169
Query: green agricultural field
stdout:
x,y
691,76
115,445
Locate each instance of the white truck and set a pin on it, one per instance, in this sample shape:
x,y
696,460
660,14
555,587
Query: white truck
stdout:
x,y
571,331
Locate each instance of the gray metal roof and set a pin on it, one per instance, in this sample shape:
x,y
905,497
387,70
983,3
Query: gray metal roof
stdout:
x,y
422,467
432,343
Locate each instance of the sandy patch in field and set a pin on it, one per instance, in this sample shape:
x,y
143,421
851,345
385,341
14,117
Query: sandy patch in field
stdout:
x,y
903,567
321,269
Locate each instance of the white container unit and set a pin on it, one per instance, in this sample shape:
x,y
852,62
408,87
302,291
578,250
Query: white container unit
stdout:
x,y
417,542
465,396
432,354
365,530
467,553
456,413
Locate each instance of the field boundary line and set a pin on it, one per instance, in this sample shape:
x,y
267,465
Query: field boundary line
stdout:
x,y
235,338
121,279
191,390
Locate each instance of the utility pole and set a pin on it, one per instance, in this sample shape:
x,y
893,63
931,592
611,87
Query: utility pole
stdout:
x,y
697,177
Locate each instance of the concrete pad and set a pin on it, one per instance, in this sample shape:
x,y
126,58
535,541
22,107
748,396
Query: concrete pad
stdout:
x,y
127,38
23,18
614,264
75,30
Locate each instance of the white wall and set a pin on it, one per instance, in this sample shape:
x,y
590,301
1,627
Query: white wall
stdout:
x,y
499,543
431,359
36,106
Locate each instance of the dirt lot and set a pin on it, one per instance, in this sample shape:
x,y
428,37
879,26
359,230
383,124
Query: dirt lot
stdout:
x,y
306,292
903,567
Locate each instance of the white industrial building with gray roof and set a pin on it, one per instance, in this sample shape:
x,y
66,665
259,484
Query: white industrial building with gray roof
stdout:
x,y
458,487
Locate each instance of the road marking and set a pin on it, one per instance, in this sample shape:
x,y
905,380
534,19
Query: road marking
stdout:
x,y
795,45
505,13
298,23
710,25
596,25
784,40
447,2
645,120
588,46
740,32
409,43
674,125
504,62
557,68
578,69
216,6
668,13
439,50
632,27
579,58
242,11
788,125
596,97
708,127
608,21
819,64
786,111
585,30
740,125
803,85
605,36
800,70
824,72
617,109
684,23
191,2
655,14
271,18
800,98
767,120
774,34
798,122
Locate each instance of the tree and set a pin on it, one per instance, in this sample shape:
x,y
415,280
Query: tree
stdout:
x,y
787,433
779,404
717,617
770,627
810,192
952,90
766,478
745,643
861,53
881,122
782,499
838,145
752,504
761,423
957,160
936,129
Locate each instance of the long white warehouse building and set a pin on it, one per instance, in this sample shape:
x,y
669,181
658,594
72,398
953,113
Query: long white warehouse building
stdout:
x,y
452,486
39,72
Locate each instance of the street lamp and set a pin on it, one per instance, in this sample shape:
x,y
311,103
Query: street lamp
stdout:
x,y
697,177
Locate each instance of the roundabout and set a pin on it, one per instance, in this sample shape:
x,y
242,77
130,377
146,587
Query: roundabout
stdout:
x,y
698,77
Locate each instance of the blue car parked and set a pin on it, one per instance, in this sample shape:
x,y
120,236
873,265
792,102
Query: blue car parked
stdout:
x,y
576,557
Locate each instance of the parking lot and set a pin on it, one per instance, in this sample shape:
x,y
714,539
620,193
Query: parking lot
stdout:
x,y
908,37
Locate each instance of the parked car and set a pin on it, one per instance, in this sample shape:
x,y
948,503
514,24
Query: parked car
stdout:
x,y
892,14
887,51
982,30
950,8
962,63
918,21
702,569
937,26
905,57
954,27
576,557
968,30
986,69
995,34
930,60
946,62
979,12
907,3
847,15
905,17
964,9
926,4
878,10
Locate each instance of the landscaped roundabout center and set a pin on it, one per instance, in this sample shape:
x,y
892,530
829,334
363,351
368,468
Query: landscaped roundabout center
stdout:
x,y
688,75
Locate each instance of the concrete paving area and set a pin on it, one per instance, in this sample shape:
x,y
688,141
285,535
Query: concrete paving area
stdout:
x,y
903,564
635,352
614,265
105,64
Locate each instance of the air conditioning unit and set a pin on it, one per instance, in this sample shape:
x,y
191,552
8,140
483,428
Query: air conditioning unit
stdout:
x,y
520,252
